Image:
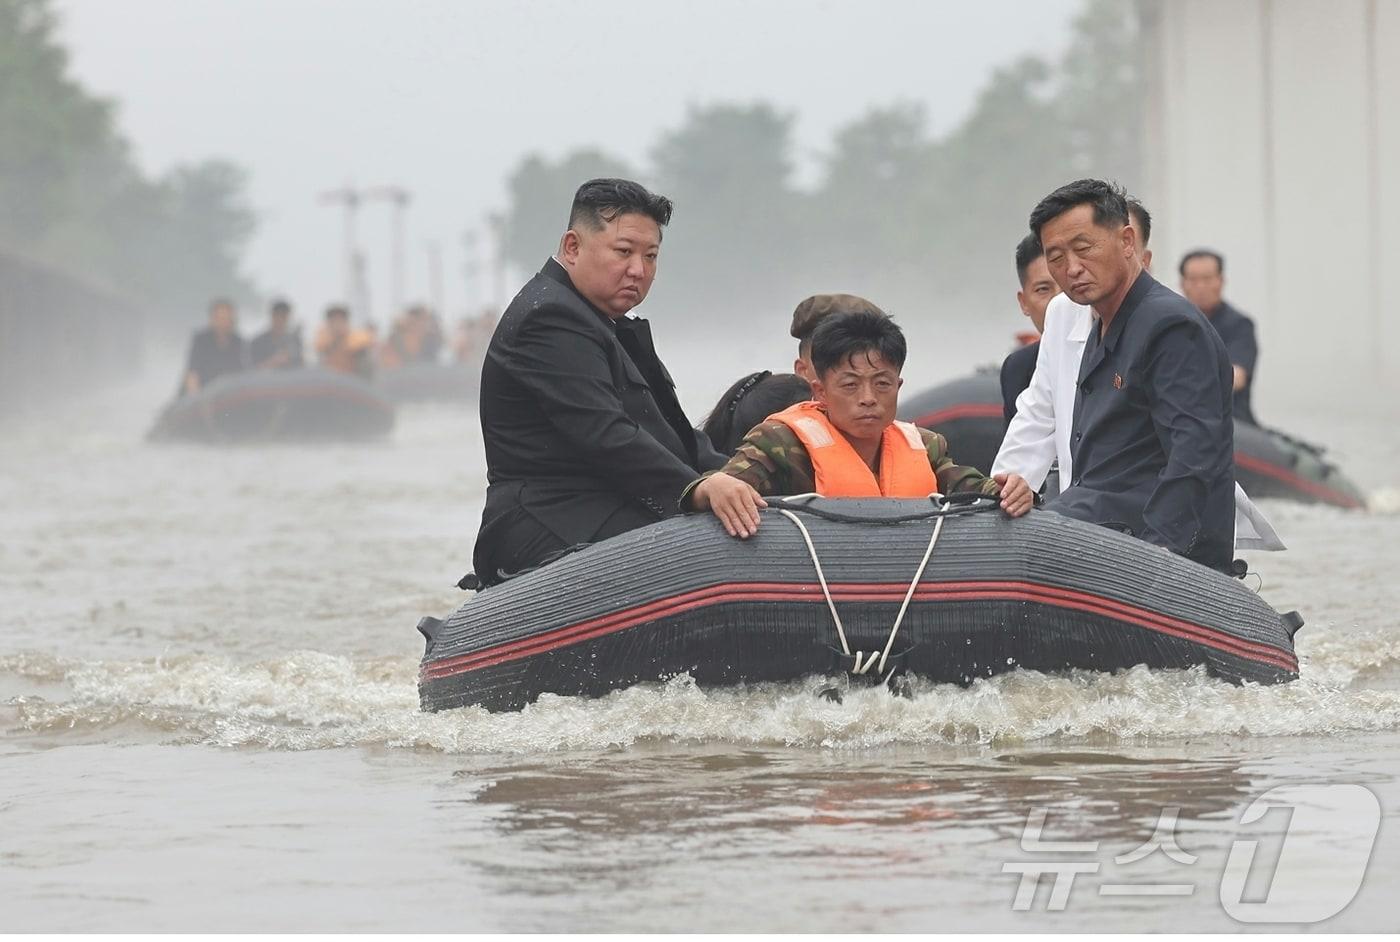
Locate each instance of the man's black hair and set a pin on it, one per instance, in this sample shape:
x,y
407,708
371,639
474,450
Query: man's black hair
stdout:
x,y
748,402
598,202
280,306
843,336
218,303
1027,251
1144,218
1202,253
1109,201
337,310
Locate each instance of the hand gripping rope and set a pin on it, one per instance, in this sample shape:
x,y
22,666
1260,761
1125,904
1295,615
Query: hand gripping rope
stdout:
x,y
862,661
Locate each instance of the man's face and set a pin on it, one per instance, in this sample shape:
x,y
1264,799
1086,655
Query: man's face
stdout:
x,y
223,319
1089,262
280,318
861,395
338,324
1201,283
613,267
1036,292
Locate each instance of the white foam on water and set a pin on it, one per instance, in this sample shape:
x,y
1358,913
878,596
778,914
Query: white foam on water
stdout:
x,y
313,700
1385,500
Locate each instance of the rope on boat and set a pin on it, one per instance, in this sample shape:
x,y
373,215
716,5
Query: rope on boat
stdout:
x,y
955,505
863,663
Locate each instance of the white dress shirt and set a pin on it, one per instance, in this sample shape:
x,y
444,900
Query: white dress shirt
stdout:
x,y
1040,430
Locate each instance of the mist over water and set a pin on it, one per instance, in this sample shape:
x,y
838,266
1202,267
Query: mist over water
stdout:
x,y
227,634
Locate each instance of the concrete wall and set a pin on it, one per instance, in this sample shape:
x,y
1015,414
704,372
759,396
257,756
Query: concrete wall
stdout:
x,y
1274,133
59,334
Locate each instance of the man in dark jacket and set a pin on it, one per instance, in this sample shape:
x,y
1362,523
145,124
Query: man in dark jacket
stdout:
x,y
278,347
585,438
1037,289
1152,438
1202,281
214,351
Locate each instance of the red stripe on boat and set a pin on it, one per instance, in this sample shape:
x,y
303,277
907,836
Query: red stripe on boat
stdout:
x,y
968,410
860,592
1320,491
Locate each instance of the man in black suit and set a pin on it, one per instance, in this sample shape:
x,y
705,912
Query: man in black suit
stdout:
x,y
1152,438
1202,281
1037,288
585,438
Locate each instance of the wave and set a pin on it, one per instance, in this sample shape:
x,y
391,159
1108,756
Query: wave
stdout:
x,y
313,700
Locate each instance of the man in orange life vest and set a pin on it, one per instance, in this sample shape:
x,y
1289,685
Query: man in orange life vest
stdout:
x,y
845,442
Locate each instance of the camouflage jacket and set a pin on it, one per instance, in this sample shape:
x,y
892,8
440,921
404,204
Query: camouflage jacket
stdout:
x,y
774,461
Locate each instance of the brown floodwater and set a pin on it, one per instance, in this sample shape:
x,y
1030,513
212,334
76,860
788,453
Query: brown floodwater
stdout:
x,y
208,721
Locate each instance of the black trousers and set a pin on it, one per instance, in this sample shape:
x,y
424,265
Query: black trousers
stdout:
x,y
524,543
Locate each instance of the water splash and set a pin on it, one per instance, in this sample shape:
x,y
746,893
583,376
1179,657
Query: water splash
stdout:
x,y
312,700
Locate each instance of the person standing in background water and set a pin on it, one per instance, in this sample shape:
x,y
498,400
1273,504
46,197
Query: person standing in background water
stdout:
x,y
1202,280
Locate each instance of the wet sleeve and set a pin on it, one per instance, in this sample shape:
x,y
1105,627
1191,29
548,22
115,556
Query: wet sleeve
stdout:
x,y
954,478
1028,447
1193,426
1244,347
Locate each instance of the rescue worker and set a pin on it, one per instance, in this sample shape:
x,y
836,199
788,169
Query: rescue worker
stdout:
x,y
341,347
845,442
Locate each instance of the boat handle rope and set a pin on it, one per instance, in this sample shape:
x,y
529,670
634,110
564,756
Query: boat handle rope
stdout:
x,y
862,664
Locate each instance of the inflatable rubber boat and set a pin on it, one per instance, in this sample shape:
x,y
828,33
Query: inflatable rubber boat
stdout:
x,y
1268,463
288,405
430,382
871,588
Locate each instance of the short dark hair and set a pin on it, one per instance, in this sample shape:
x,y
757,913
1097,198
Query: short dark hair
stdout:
x,y
598,202
842,336
337,310
280,306
1027,251
217,303
1144,218
1202,253
1109,200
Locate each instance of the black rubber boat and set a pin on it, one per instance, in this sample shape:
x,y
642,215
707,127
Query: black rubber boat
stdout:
x,y
1268,463
430,382
967,411
284,405
1042,592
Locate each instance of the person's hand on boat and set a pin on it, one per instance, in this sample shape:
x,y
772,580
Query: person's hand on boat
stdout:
x,y
1017,498
733,501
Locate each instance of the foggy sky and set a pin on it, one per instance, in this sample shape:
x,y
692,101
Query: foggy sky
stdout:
x,y
445,97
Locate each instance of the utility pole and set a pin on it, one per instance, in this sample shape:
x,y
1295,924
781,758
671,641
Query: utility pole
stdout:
x,y
398,199
435,286
471,269
353,281
496,222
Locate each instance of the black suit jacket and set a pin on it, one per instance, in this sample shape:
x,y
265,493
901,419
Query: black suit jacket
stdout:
x,y
1016,372
1152,440
579,417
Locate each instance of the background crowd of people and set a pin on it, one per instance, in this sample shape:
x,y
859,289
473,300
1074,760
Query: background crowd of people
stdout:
x,y
415,337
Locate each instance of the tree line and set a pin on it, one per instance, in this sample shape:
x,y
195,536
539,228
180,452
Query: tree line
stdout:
x,y
918,222
73,198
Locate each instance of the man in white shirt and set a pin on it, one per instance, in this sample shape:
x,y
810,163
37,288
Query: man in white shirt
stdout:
x,y
1039,433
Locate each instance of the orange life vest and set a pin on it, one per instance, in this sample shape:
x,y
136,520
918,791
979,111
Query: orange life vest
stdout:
x,y
840,472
